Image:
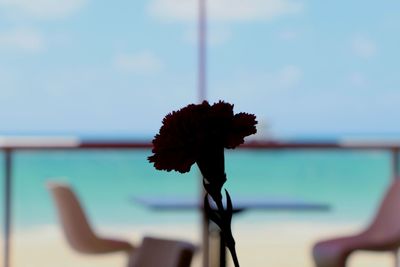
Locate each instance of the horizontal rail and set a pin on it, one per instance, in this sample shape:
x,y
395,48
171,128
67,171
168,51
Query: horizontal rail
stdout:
x,y
98,144
12,144
322,145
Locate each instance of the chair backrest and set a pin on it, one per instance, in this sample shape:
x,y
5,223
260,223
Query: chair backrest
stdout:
x,y
75,225
156,252
386,225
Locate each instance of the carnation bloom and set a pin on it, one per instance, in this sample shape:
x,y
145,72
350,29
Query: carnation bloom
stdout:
x,y
199,134
189,134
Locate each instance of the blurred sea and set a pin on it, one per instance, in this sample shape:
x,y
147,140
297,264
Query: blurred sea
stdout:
x,y
352,182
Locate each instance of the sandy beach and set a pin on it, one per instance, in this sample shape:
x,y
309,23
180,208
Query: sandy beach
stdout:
x,y
272,244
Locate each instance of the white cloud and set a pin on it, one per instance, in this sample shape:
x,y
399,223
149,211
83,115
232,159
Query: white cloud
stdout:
x,y
244,86
140,63
26,40
289,35
364,47
358,79
7,84
41,9
288,77
225,10
216,36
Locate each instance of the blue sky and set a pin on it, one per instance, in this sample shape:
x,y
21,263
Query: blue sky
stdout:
x,y
116,68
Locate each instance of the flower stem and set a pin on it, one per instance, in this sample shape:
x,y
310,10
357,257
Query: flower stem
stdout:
x,y
234,256
226,231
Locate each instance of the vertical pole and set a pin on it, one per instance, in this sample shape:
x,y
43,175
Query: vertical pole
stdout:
x,y
202,52
222,250
395,163
202,96
206,235
7,205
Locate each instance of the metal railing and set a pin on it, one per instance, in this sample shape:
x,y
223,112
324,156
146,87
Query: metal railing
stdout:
x,y
11,145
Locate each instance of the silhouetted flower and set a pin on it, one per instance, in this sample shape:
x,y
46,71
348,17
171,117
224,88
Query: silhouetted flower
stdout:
x,y
187,135
199,134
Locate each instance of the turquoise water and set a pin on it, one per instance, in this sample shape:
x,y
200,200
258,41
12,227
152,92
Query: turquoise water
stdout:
x,y
351,181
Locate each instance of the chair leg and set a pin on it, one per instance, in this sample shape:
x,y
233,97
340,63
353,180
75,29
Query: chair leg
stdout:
x,y
396,258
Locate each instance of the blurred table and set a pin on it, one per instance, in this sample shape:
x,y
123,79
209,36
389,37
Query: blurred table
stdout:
x,y
240,204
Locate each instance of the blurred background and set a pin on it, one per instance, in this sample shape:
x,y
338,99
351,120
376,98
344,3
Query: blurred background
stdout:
x,y
98,70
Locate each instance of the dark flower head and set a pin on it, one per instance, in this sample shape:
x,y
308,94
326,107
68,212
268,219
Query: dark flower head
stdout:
x,y
187,134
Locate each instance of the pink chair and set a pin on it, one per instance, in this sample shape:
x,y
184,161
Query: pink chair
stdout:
x,y
156,252
383,234
153,252
76,227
